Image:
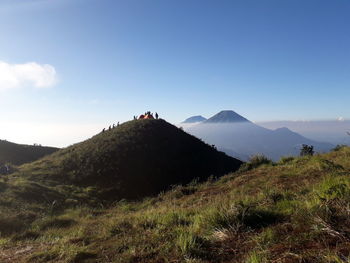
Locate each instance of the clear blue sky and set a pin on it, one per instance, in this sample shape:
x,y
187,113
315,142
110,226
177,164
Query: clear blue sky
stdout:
x,y
265,59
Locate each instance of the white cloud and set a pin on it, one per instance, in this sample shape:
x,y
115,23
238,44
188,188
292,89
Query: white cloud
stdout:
x,y
340,119
26,75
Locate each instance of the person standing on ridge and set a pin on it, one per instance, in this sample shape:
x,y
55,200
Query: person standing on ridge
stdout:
x,y
156,115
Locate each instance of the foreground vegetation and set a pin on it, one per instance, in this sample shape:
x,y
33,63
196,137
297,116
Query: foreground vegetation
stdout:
x,y
296,210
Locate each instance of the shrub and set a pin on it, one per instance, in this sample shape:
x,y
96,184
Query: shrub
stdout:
x,y
255,162
326,165
333,188
307,150
338,147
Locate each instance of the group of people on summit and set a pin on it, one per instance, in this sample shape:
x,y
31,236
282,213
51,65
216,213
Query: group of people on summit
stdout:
x,y
146,115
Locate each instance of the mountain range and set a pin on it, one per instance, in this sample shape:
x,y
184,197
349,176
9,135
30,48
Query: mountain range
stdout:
x,y
241,138
331,131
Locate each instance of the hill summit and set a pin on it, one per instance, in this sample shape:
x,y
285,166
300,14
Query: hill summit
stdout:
x,y
226,116
136,159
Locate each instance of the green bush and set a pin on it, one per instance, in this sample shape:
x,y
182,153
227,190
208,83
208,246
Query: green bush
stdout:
x,y
339,147
307,150
255,162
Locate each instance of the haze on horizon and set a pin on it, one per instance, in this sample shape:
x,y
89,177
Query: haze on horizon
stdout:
x,y
68,68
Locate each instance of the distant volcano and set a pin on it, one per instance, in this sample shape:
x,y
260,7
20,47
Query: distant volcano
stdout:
x,y
194,119
241,138
226,116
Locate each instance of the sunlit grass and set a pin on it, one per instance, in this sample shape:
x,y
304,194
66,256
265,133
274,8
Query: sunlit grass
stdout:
x,y
296,209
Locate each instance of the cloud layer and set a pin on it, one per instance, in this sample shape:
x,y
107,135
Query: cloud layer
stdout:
x,y
26,75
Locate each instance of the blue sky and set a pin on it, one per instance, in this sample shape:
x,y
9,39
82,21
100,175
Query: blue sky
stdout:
x,y
103,61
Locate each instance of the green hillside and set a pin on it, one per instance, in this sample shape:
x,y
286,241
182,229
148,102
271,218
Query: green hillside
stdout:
x,y
136,159
296,210
18,154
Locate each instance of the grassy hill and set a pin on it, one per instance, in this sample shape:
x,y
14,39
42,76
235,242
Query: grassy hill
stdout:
x,y
296,210
135,159
18,154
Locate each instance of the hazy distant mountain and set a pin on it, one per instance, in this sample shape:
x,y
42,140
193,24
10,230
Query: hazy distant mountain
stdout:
x,y
194,119
331,131
240,138
226,116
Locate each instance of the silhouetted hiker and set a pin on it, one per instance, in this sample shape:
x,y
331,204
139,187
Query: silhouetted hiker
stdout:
x,y
118,124
103,130
109,128
156,115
